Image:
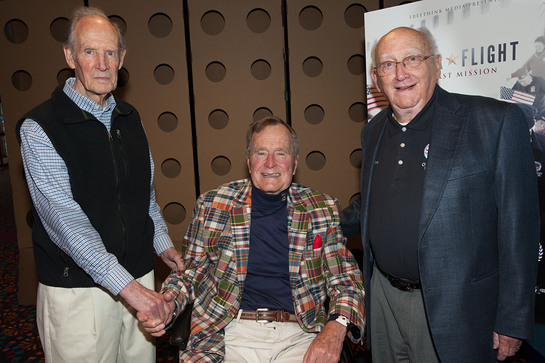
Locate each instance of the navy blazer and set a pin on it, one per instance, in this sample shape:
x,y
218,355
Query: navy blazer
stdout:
x,y
479,226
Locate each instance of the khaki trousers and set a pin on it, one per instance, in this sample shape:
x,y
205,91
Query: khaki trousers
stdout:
x,y
91,325
247,341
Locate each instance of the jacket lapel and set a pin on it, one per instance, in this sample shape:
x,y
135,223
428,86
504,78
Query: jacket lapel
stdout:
x,y
240,227
298,220
446,132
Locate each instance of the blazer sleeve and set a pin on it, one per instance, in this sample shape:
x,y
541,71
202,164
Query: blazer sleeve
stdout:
x,y
518,227
344,279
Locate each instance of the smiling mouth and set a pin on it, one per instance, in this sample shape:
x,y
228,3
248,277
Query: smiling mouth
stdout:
x,y
405,87
268,175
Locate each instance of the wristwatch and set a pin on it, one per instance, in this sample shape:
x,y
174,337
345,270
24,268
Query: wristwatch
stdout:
x,y
174,316
343,320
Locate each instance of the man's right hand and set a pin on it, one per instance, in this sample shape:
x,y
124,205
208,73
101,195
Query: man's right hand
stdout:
x,y
146,301
156,327
328,344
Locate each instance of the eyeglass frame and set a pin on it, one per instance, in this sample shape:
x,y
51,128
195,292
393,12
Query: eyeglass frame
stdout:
x,y
424,57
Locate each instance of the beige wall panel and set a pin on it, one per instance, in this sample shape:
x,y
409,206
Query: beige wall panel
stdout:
x,y
238,94
331,32
41,57
155,38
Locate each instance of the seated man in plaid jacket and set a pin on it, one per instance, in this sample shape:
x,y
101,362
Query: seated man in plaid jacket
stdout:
x,y
266,266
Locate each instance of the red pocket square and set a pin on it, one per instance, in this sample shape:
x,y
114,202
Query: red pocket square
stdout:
x,y
317,242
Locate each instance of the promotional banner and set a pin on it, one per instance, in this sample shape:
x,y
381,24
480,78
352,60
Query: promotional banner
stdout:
x,y
485,45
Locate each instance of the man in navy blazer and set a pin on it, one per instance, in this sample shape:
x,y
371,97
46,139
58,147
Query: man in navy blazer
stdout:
x,y
449,215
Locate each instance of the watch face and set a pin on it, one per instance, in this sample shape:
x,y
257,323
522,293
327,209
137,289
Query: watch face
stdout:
x,y
343,320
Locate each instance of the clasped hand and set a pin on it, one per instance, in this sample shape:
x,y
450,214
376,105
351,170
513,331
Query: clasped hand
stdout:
x,y
155,324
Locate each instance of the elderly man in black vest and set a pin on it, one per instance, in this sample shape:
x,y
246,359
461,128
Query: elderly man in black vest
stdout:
x,y
96,223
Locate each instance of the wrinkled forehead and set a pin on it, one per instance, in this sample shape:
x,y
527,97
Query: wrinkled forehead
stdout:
x,y
93,27
272,134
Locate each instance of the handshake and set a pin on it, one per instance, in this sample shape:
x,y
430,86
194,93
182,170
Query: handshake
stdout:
x,y
157,319
154,310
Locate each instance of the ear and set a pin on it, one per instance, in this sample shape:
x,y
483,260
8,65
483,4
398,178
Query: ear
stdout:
x,y
375,79
248,163
438,59
69,57
296,162
121,58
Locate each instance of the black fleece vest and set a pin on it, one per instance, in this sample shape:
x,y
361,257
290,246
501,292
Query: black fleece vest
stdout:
x,y
110,179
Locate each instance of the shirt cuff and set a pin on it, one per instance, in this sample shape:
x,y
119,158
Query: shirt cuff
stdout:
x,y
178,298
161,243
117,279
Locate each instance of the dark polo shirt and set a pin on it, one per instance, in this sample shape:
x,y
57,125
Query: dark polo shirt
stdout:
x,y
396,194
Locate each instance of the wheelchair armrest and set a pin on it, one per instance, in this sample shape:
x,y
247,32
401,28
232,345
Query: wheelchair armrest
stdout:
x,y
181,329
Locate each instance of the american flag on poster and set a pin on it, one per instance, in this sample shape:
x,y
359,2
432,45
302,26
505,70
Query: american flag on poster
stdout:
x,y
510,94
375,99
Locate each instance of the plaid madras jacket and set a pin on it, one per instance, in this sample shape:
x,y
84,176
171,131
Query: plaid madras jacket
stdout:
x,y
217,257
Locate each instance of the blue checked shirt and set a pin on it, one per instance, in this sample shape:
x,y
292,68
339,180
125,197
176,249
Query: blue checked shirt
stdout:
x,y
64,220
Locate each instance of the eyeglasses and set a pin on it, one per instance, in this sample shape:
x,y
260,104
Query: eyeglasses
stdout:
x,y
410,62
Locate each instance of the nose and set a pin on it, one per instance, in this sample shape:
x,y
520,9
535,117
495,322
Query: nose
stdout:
x,y
103,63
270,162
401,70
